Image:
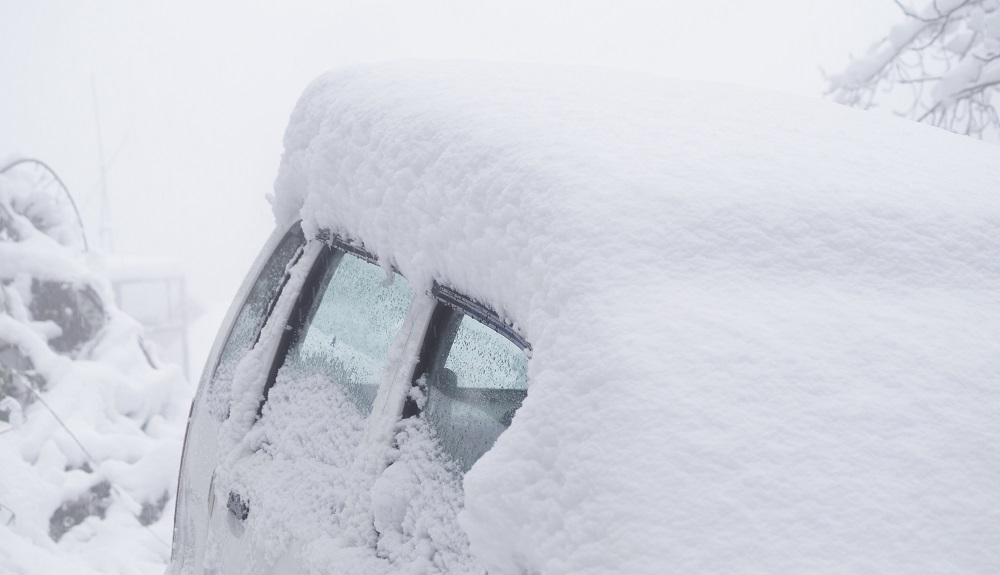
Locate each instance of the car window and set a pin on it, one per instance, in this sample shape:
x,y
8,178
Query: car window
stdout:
x,y
471,380
477,380
309,462
251,318
312,422
350,327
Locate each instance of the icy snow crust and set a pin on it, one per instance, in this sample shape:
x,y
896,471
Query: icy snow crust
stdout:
x,y
766,331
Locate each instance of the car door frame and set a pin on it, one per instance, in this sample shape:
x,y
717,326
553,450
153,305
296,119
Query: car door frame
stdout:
x,y
396,375
194,489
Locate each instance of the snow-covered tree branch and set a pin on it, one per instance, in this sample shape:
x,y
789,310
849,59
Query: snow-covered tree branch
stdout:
x,y
946,53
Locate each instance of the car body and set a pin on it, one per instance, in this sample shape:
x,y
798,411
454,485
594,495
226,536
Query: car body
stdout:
x,y
525,319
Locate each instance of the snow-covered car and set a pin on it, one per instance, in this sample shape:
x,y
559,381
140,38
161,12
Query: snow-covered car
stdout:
x,y
519,319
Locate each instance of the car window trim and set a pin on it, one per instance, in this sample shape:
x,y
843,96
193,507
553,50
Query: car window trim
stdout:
x,y
277,293
345,245
251,279
448,304
480,312
476,309
326,262
448,301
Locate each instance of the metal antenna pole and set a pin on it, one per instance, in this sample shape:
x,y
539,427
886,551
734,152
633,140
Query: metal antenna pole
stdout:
x,y
106,239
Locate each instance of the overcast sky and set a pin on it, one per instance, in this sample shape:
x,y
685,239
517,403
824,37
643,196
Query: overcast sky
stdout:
x,y
193,96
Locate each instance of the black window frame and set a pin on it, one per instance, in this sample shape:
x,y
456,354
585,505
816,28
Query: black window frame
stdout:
x,y
480,312
299,315
259,325
334,249
448,303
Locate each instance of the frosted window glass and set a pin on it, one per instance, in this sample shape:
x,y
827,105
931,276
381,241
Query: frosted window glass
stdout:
x,y
474,392
351,327
250,320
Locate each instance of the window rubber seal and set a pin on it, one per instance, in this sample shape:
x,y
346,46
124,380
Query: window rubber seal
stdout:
x,y
325,262
456,300
480,312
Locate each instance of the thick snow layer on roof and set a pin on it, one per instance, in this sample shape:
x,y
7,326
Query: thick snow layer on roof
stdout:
x,y
766,331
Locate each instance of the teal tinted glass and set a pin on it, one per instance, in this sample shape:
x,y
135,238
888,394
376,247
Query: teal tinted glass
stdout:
x,y
251,319
351,327
476,384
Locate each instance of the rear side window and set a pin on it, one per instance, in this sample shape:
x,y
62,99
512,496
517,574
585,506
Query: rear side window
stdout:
x,y
349,328
253,314
477,380
470,382
305,473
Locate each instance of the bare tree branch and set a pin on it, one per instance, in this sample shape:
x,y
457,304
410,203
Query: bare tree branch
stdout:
x,y
939,66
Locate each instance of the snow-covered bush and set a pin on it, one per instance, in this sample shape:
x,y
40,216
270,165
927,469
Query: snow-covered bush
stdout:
x,y
90,428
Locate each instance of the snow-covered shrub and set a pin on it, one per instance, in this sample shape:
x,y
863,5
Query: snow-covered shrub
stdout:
x,y
90,429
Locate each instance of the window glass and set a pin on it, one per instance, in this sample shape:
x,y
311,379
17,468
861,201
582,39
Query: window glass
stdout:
x,y
251,318
314,417
350,328
473,393
474,379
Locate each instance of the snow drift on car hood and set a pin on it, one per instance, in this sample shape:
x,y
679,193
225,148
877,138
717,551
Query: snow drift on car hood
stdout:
x,y
766,330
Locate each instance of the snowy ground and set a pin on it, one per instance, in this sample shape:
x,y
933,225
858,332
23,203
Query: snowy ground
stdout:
x,y
90,431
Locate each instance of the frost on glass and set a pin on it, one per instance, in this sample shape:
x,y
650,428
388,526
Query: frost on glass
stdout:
x,y
306,477
474,392
477,379
250,320
350,328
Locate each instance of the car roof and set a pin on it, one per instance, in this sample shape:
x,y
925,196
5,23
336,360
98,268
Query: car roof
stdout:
x,y
762,327
489,162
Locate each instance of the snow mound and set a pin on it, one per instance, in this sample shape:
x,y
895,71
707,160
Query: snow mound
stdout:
x,y
766,331
90,431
